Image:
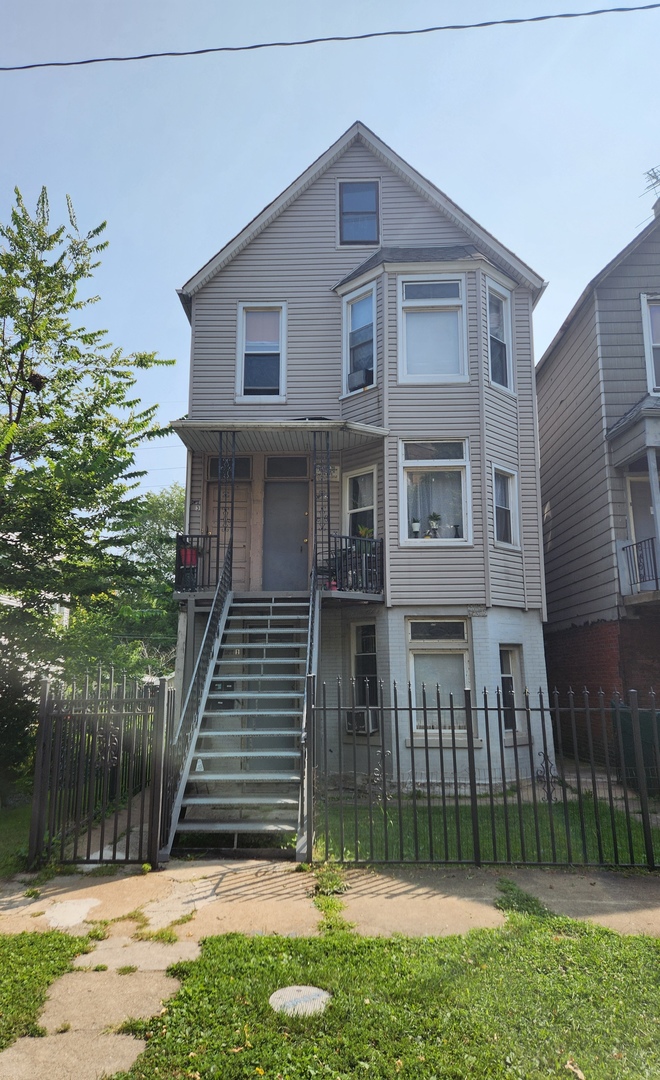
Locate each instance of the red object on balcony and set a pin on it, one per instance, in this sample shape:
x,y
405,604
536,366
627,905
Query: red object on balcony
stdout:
x,y
188,557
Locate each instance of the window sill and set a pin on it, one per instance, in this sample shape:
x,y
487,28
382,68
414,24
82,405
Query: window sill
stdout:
x,y
501,545
503,389
422,380
521,738
436,542
420,743
256,399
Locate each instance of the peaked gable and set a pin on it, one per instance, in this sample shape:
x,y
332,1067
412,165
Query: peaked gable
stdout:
x,y
359,133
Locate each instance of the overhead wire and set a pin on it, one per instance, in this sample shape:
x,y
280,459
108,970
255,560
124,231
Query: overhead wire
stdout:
x,y
334,38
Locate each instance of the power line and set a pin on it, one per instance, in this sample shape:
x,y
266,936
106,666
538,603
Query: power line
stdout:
x,y
338,38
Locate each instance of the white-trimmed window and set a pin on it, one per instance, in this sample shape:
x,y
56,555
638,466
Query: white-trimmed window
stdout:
x,y
261,359
359,211
360,503
439,666
432,330
359,353
511,685
499,337
505,501
363,719
651,321
435,483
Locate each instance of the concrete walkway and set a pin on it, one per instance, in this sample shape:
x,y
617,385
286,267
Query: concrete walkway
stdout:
x,y
197,900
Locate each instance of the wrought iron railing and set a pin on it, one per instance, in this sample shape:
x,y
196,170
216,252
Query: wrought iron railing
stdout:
x,y
352,564
642,562
199,560
305,811
183,743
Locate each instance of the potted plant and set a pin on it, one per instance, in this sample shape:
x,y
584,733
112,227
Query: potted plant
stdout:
x,y
434,523
414,527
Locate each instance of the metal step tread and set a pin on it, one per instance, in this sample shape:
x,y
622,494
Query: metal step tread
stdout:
x,y
244,733
253,678
240,800
253,712
264,751
235,826
266,631
278,616
245,777
238,695
268,645
258,660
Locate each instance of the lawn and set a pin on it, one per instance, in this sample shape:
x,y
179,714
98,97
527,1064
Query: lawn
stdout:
x,y
28,965
14,837
525,1001
561,833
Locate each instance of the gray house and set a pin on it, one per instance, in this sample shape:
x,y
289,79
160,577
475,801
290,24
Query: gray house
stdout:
x,y
599,419
362,446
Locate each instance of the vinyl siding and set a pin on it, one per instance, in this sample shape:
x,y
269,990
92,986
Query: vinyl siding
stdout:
x,y
580,564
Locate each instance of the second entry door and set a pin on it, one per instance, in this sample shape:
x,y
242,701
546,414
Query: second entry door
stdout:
x,y
286,534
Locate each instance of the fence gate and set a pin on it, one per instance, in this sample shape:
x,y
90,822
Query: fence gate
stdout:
x,y
454,780
99,771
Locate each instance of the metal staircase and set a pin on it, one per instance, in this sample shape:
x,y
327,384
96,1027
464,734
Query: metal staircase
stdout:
x,y
245,768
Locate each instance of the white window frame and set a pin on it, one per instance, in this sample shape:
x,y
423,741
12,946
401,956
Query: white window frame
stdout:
x,y
505,296
359,180
461,465
517,676
257,399
452,304
347,302
443,647
347,477
514,508
647,300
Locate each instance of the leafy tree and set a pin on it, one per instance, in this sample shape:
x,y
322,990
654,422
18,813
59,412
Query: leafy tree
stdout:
x,y
18,717
69,427
135,628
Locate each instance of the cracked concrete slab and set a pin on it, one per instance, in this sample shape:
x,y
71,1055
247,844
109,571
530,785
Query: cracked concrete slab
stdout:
x,y
73,1055
94,1001
117,952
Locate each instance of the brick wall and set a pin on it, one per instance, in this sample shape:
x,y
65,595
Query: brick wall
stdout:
x,y
640,653
585,656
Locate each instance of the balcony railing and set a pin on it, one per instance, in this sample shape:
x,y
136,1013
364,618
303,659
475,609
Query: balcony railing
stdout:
x,y
352,564
641,562
199,556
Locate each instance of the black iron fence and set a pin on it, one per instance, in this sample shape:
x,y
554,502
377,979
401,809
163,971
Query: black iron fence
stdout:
x,y
351,564
99,769
424,778
199,561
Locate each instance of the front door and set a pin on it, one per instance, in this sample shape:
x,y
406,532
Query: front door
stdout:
x,y
286,535
242,513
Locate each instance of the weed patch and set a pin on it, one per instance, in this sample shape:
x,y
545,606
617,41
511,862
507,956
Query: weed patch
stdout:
x,y
29,963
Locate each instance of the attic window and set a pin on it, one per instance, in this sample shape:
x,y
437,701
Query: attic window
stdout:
x,y
358,212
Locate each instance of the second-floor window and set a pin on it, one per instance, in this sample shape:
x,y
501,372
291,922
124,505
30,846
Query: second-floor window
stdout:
x,y
505,494
651,317
435,491
431,330
261,351
359,346
360,503
499,338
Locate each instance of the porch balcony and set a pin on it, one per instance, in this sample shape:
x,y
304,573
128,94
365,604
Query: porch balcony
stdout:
x,y
638,572
347,566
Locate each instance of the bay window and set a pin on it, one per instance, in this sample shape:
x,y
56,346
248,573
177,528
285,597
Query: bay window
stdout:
x,y
435,491
432,330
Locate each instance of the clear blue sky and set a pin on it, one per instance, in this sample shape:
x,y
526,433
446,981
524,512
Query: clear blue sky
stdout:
x,y
541,132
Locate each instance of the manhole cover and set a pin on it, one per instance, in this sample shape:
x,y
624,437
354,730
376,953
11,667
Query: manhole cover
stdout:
x,y
299,1000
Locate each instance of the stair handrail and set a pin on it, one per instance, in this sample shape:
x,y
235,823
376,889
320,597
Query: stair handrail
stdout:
x,y
305,804
183,742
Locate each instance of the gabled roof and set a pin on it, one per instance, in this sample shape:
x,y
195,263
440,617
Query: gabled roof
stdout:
x,y
358,132
598,280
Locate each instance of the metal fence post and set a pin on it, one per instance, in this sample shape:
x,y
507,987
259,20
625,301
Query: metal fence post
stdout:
x,y
641,780
41,774
473,778
158,754
310,752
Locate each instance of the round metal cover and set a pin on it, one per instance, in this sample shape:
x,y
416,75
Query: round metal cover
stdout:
x,y
299,1000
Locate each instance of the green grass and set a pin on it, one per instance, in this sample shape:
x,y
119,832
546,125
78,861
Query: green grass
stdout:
x,y
564,836
28,964
14,837
519,1002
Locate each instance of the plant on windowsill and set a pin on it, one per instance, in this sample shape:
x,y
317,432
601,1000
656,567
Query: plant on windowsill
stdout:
x,y
365,532
414,527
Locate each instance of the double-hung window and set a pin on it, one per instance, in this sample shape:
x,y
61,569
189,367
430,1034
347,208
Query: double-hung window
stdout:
x,y
499,337
651,319
439,671
360,505
432,329
505,499
261,351
435,486
358,212
359,339
511,685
